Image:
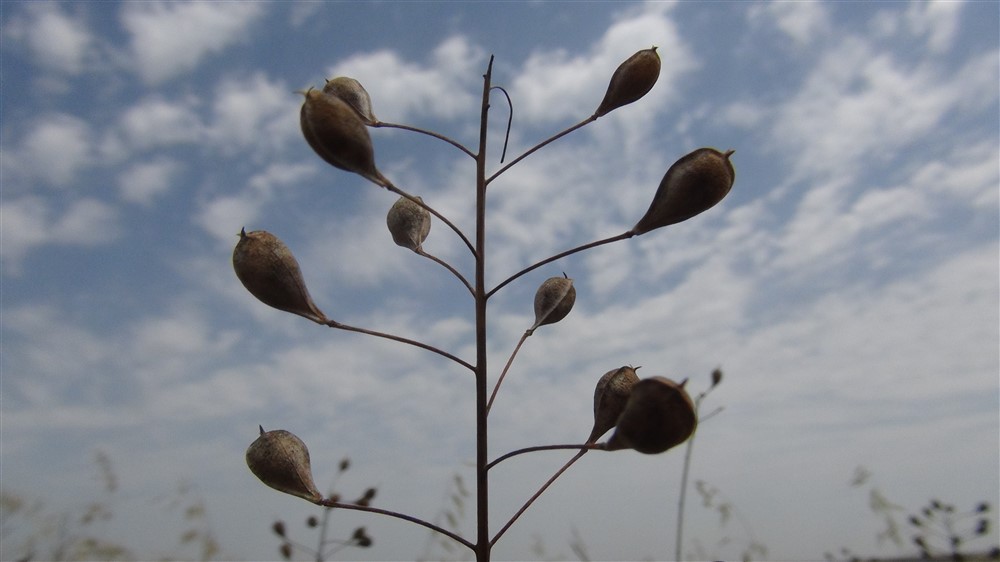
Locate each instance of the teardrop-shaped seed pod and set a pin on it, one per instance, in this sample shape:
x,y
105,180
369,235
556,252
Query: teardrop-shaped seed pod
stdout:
x,y
693,184
716,377
281,460
610,397
352,92
632,79
335,131
267,268
659,415
553,301
409,223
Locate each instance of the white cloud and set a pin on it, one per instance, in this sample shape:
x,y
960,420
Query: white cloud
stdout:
x,y
803,22
23,225
87,222
938,20
57,41
56,355
55,150
400,89
858,106
156,122
162,347
144,182
969,175
302,11
253,112
169,39
224,215
28,222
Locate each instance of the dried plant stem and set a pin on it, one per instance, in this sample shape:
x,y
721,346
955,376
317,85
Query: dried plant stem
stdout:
x,y
483,545
321,543
425,132
678,541
622,236
531,150
584,446
339,326
447,266
397,515
434,212
506,368
535,496
679,538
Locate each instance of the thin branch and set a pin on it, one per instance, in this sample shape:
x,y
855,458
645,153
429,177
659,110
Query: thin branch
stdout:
x,y
623,236
510,120
425,132
505,368
446,265
434,212
397,515
335,324
678,541
557,136
535,496
585,447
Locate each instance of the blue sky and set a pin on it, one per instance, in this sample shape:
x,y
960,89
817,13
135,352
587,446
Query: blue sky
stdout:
x,y
848,286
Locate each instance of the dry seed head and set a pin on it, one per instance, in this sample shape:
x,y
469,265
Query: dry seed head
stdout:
x,y
267,268
553,301
659,415
632,79
338,135
352,92
409,223
610,397
693,184
281,460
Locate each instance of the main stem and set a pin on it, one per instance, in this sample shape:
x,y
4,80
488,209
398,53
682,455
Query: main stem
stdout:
x,y
483,545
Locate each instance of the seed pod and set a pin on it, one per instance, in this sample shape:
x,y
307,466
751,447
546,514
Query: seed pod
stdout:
x,y
659,415
693,184
335,131
366,498
281,460
716,377
352,92
632,79
269,271
361,538
553,301
610,398
409,223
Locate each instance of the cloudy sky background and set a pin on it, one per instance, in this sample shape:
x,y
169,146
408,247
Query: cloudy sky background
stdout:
x,y
848,286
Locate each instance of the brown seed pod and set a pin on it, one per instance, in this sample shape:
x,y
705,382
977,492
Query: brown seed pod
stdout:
x,y
553,301
659,415
335,131
409,223
281,460
632,79
693,184
267,268
352,92
716,377
610,397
